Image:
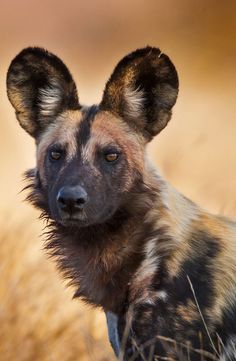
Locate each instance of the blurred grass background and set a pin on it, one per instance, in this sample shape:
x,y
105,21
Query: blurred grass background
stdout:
x,y
196,152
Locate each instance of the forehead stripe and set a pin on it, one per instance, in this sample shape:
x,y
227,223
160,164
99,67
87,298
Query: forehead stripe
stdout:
x,y
83,133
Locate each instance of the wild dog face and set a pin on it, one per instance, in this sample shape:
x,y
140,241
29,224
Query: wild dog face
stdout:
x,y
90,159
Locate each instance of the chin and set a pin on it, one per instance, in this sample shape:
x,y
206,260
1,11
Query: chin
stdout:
x,y
84,221
75,223
71,220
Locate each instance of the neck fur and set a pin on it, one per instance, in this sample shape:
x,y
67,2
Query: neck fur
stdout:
x,y
101,261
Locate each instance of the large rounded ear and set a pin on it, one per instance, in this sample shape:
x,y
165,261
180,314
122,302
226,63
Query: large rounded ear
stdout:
x,y
39,87
142,90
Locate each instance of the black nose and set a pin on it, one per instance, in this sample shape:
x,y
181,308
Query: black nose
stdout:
x,y
72,199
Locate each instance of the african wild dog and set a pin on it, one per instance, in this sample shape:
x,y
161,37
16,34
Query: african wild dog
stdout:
x,y
163,270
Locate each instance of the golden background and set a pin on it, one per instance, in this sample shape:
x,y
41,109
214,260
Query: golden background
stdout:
x,y
196,152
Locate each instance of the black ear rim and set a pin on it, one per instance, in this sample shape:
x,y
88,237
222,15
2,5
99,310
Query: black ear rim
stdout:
x,y
42,56
129,60
134,55
41,53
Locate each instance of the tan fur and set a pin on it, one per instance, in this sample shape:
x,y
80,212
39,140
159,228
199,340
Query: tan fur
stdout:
x,y
23,114
172,215
62,131
108,129
225,267
182,217
188,312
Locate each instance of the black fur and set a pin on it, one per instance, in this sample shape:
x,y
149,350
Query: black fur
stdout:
x,y
30,71
119,252
151,72
85,125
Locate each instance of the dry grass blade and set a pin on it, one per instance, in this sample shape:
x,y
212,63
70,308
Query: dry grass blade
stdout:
x,y
203,320
39,321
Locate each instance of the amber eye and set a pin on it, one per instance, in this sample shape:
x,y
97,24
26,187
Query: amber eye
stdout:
x,y
55,155
111,157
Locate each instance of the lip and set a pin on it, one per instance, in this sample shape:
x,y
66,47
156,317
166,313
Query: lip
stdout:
x,y
77,219
73,222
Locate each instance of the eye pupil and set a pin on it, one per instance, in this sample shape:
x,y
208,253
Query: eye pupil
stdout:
x,y
111,157
55,155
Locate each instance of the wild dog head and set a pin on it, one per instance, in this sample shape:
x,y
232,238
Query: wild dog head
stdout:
x,y
89,159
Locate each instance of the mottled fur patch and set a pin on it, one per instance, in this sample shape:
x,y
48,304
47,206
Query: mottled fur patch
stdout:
x,y
137,248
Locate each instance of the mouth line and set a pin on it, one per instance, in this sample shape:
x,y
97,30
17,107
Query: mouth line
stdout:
x,y
76,219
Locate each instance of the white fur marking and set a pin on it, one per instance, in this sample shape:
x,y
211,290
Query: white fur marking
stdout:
x,y
49,98
149,301
162,295
229,352
134,99
150,262
154,296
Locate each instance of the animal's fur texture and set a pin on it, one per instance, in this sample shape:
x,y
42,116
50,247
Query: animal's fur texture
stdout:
x,y
162,266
